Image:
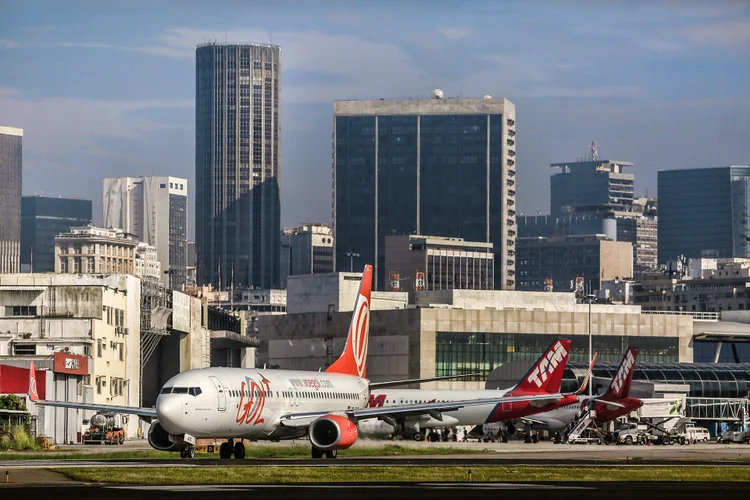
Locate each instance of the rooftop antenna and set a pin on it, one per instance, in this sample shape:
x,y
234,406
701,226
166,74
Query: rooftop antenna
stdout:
x,y
594,151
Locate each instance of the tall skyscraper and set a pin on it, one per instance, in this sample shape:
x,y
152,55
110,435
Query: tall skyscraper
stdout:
x,y
154,209
11,140
594,185
704,212
434,167
237,164
43,218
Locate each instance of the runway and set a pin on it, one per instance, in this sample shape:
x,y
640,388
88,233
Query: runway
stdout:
x,y
367,491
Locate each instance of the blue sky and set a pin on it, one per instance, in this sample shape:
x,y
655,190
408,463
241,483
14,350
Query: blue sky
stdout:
x,y
107,88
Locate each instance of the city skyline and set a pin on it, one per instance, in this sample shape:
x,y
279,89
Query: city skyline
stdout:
x,y
667,93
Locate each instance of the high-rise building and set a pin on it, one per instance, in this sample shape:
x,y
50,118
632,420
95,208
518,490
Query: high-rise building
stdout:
x,y
594,185
704,212
307,249
237,164
43,218
154,209
11,140
434,166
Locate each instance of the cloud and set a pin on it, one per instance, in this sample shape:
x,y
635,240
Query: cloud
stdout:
x,y
454,32
9,44
721,33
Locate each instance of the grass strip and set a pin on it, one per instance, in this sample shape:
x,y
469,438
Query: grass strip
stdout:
x,y
338,474
252,451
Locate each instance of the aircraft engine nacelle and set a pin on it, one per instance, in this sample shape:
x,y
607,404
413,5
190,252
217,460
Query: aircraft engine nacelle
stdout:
x,y
510,428
158,438
333,432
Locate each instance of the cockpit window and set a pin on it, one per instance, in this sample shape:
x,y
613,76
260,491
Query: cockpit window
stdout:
x,y
180,390
195,391
166,390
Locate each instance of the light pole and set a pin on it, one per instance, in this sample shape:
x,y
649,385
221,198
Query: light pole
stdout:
x,y
590,298
351,254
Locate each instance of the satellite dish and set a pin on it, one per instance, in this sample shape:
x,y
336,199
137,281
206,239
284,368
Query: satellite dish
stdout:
x,y
437,94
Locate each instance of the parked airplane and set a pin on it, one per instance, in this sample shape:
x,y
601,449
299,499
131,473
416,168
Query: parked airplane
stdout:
x,y
260,404
544,377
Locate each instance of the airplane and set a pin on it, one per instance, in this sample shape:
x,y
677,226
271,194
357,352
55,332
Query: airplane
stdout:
x,y
261,404
544,377
615,402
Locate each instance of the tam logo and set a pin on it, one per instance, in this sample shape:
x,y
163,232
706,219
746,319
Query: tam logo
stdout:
x,y
547,366
623,372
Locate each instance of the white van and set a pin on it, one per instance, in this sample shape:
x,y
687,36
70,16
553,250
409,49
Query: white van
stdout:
x,y
697,434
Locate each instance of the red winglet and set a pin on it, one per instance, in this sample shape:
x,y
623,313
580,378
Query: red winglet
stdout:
x,y
33,394
353,360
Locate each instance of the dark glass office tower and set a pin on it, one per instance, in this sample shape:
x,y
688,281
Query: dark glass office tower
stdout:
x,y
11,140
43,218
435,167
704,212
237,164
591,186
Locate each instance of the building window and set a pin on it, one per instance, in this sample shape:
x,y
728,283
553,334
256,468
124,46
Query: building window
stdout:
x,y
24,349
98,348
162,186
20,310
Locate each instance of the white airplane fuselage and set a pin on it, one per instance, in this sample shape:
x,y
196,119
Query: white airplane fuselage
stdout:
x,y
247,403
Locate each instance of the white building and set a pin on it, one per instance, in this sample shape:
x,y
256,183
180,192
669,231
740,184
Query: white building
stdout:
x,y
95,250
306,249
155,210
146,262
93,319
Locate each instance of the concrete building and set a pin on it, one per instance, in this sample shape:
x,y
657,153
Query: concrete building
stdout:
x,y
704,212
147,265
155,210
428,166
306,249
43,218
466,331
94,320
95,250
436,263
592,257
11,160
237,163
335,292
594,185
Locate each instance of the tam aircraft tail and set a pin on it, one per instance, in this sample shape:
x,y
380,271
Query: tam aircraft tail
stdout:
x,y
545,376
353,360
620,385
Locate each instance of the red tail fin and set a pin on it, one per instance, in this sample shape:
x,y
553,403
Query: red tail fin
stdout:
x,y
33,394
620,385
547,373
353,360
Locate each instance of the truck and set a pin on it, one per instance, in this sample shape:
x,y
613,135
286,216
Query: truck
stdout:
x,y
658,421
105,428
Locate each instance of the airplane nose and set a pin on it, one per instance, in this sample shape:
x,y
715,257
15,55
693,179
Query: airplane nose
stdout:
x,y
169,412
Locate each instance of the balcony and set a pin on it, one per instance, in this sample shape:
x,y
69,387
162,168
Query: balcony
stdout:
x,y
510,122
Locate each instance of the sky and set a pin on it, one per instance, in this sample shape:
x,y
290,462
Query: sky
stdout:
x,y
107,88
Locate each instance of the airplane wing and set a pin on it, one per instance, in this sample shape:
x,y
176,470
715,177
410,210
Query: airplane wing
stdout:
x,y
146,413
435,410
393,383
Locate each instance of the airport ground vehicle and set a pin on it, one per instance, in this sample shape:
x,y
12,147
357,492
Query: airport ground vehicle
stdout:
x,y
697,434
105,428
588,436
736,434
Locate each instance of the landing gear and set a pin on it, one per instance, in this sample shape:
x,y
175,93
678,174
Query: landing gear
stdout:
x,y
318,453
239,450
225,450
187,452
417,436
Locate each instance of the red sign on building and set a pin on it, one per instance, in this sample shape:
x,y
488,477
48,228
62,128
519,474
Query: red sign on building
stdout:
x,y
71,363
15,380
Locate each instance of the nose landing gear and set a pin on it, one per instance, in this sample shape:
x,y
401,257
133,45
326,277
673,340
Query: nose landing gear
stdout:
x,y
230,447
187,452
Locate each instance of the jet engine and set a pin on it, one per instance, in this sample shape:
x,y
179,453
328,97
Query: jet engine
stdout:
x,y
510,428
333,432
158,438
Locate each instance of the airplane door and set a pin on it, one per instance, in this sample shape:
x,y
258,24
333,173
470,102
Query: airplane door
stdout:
x,y
295,397
220,392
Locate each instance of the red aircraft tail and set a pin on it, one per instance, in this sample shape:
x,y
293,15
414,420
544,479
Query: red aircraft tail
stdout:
x,y
353,360
33,394
620,385
545,376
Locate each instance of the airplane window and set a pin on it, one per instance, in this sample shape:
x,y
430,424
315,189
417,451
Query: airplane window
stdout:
x,y
180,390
194,391
166,390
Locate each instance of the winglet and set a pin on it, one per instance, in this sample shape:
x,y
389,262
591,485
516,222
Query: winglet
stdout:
x,y
33,395
545,376
587,378
353,360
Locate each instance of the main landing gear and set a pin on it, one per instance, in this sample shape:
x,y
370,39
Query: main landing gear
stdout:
x,y
187,452
230,447
318,453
